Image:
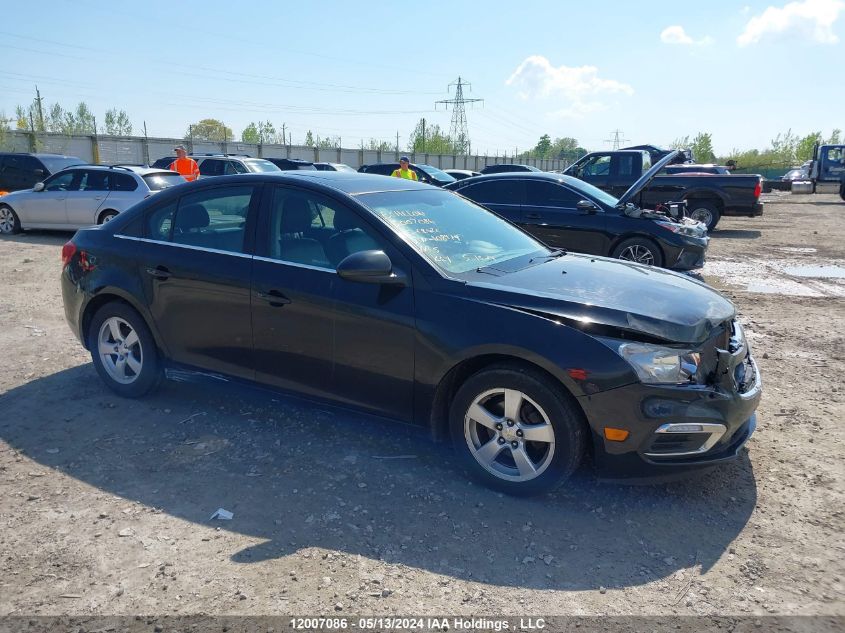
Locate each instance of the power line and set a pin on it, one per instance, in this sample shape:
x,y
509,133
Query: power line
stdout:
x,y
458,131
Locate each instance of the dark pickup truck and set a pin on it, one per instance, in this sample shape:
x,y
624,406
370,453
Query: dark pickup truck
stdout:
x,y
708,197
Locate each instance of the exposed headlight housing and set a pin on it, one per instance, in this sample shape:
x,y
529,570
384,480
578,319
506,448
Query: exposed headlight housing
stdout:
x,y
655,364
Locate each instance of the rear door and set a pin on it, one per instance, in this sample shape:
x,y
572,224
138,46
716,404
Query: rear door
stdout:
x,y
83,204
125,191
551,214
212,167
196,259
22,172
625,169
504,196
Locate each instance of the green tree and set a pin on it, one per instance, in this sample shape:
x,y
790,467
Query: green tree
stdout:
x,y
309,139
261,132
682,142
250,134
380,146
835,137
783,148
117,123
702,148
566,148
329,142
543,147
804,147
209,130
430,139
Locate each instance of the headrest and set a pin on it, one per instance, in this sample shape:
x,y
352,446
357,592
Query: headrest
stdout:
x,y
296,215
194,216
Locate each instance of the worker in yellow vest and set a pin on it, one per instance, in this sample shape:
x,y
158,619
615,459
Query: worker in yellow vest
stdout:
x,y
186,167
404,170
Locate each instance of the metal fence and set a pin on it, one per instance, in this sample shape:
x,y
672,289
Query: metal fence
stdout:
x,y
110,150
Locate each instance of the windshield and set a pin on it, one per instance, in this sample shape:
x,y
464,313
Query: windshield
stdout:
x,y
257,165
437,174
589,190
58,163
163,180
449,231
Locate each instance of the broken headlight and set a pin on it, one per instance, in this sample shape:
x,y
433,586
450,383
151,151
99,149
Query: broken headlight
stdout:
x,y
655,364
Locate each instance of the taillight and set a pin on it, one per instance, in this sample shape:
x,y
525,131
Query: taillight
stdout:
x,y
68,251
758,189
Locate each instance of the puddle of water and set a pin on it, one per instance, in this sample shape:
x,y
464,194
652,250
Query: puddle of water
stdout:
x,y
779,277
795,249
820,272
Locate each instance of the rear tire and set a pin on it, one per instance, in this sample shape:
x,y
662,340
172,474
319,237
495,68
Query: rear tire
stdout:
x,y
10,223
542,438
639,250
705,212
123,350
107,216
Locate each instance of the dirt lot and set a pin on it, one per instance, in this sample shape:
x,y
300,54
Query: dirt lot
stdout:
x,y
105,503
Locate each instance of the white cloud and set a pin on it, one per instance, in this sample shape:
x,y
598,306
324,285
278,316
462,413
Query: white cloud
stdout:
x,y
578,110
811,18
537,77
677,35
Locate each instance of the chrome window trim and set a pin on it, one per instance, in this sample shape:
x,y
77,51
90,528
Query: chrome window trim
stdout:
x,y
188,246
715,431
285,262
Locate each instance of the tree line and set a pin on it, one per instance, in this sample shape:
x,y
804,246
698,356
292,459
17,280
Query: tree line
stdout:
x,y
785,149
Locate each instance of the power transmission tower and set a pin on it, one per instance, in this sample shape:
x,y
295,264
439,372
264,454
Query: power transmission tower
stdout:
x,y
458,130
617,139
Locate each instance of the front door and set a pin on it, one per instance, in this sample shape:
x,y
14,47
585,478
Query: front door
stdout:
x,y
47,207
551,214
197,264
316,333
596,171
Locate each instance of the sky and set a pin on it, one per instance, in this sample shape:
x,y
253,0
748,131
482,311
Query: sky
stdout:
x,y
655,70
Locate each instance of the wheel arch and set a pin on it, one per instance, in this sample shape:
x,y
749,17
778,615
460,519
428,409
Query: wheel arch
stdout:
x,y
109,295
640,236
100,214
456,376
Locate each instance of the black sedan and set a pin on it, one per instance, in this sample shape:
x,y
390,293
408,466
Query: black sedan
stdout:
x,y
566,212
408,302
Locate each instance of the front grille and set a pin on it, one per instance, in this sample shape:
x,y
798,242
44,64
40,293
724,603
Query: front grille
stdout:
x,y
673,443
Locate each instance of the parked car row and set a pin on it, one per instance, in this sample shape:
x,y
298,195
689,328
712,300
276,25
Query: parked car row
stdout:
x,y
408,302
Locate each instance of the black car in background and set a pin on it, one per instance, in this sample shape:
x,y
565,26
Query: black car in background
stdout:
x,y
22,171
334,167
569,213
507,167
425,173
292,164
460,174
409,302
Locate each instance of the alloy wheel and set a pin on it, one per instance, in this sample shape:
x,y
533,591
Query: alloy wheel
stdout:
x,y
638,253
7,220
509,435
120,350
703,215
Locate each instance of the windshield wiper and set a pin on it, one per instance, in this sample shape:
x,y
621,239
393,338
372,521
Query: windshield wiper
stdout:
x,y
557,252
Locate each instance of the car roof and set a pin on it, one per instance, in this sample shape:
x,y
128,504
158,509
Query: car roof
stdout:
x,y
505,175
350,183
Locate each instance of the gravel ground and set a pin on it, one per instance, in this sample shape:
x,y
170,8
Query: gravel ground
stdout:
x,y
105,503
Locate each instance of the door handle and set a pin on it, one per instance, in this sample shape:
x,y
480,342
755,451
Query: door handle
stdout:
x,y
159,272
274,298
533,216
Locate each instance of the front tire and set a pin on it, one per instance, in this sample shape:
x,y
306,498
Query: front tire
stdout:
x,y
705,212
514,430
639,250
123,350
10,223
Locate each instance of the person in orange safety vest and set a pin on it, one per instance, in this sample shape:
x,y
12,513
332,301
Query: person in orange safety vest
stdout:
x,y
186,166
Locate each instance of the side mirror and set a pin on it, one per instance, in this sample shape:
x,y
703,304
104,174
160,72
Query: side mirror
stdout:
x,y
586,205
39,186
370,267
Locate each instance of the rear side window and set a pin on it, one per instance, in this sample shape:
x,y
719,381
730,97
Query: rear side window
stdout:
x,y
160,222
123,182
214,219
233,167
384,170
94,180
211,167
495,192
157,182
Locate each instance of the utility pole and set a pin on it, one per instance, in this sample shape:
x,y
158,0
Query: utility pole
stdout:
x,y
617,139
423,121
283,134
397,143
458,130
146,146
40,110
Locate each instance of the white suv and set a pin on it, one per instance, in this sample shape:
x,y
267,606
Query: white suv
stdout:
x,y
81,196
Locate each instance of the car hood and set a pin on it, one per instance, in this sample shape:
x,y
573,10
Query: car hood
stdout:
x,y
646,178
609,297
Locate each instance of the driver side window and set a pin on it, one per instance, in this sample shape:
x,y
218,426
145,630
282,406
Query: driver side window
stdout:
x,y
67,181
597,166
